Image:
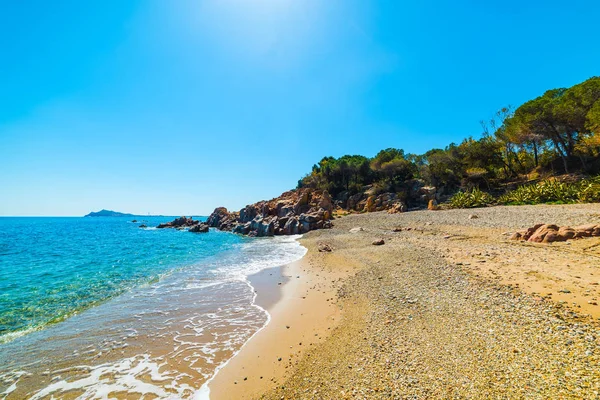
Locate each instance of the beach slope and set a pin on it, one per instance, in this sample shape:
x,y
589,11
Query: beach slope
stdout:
x,y
447,307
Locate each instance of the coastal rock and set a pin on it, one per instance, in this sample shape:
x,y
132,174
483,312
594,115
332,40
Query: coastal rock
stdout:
x,y
179,223
540,233
222,219
242,229
220,214
379,242
200,228
370,205
291,227
433,205
294,212
397,208
324,247
143,226
353,201
549,233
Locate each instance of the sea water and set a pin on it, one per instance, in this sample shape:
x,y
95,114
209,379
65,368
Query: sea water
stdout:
x,y
101,308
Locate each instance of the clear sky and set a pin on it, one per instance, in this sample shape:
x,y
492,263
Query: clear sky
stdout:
x,y
176,107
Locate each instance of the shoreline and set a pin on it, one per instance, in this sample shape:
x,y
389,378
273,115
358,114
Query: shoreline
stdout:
x,y
268,283
302,317
447,307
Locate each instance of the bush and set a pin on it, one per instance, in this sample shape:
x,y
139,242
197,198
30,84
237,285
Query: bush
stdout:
x,y
552,191
471,199
590,190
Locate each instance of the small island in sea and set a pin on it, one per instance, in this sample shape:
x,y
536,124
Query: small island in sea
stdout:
x,y
109,213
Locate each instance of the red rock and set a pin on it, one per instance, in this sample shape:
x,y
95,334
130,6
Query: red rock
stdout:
x,y
433,205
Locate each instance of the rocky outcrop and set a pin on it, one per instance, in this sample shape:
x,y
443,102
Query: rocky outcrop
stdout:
x,y
363,202
183,223
397,208
179,223
294,212
200,228
222,219
548,233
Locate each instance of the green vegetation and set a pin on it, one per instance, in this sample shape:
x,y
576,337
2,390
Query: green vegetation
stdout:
x,y
471,199
552,191
554,134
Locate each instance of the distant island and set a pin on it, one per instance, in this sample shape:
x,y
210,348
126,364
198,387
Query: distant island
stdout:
x,y
109,213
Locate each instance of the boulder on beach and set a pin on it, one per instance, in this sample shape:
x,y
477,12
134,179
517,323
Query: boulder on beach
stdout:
x,y
325,248
549,233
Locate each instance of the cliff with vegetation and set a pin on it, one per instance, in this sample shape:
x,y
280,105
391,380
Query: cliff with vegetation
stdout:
x,y
546,150
555,137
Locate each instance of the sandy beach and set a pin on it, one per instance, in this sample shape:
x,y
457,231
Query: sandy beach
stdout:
x,y
448,307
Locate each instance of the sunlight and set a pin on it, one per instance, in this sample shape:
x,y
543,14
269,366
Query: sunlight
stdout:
x,y
257,27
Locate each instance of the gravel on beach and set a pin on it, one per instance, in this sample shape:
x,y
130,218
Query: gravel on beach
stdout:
x,y
416,326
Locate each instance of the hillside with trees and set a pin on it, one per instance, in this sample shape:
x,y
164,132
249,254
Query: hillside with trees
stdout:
x,y
552,138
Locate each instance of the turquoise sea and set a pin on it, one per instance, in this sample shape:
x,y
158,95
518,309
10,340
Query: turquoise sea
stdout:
x,y
98,306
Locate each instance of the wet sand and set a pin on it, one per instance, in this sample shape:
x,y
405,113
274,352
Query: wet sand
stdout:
x,y
302,318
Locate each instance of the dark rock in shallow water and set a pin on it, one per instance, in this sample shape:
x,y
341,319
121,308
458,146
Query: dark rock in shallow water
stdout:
x,y
143,226
180,222
200,228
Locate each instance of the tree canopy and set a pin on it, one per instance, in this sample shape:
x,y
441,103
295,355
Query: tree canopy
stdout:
x,y
557,132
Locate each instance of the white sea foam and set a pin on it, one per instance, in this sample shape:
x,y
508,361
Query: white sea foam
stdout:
x,y
170,312
122,376
204,392
10,380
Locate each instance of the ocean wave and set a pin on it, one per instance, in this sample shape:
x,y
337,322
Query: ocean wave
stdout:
x,y
201,314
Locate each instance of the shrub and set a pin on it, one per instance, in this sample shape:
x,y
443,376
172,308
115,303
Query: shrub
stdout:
x,y
590,191
471,199
552,191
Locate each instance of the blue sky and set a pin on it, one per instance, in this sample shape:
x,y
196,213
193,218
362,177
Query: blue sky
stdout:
x,y
176,107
